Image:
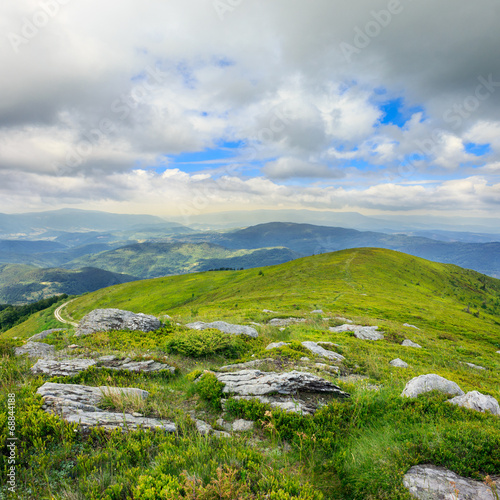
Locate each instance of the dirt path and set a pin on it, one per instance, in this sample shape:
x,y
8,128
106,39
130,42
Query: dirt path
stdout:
x,y
57,314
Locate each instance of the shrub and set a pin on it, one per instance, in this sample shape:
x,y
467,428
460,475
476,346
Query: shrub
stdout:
x,y
210,389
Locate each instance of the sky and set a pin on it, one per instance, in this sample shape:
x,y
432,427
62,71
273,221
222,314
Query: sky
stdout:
x,y
186,107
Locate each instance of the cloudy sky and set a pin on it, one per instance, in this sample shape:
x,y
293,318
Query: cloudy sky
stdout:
x,y
175,107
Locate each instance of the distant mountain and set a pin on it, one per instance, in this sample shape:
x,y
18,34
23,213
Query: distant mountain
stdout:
x,y
151,259
20,283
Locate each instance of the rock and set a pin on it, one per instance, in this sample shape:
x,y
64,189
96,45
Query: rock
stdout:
x,y
345,320
225,328
429,482
221,434
430,382
137,366
101,320
45,334
74,346
409,343
105,359
328,368
288,404
360,332
316,349
269,311
399,363
244,366
284,321
225,425
498,352
61,368
304,359
327,344
242,425
477,367
78,404
411,326
317,311
202,427
35,350
276,345
477,401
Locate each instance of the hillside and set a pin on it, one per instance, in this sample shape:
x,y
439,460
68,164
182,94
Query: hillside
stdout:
x,y
149,260
356,446
20,284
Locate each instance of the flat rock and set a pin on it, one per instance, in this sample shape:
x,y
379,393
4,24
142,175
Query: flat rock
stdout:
x,y
399,363
45,334
225,328
477,401
317,311
430,382
429,482
61,368
269,311
245,366
284,321
35,350
148,366
100,320
203,427
360,332
409,343
242,425
476,367
320,351
78,404
411,326
276,345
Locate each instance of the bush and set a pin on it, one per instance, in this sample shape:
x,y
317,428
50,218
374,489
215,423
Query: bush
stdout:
x,y
210,389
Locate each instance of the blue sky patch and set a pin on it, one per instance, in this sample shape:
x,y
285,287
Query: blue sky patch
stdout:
x,y
477,149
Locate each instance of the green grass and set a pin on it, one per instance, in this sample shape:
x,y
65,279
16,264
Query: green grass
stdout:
x,y
357,448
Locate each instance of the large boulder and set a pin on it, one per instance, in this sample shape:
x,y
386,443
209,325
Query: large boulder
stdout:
x,y
35,350
101,320
431,382
429,482
477,401
225,328
78,404
360,332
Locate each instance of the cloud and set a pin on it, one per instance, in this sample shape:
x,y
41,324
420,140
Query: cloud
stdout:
x,y
287,168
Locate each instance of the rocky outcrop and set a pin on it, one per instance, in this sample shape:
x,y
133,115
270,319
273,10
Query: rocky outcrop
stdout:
x,y
245,366
477,401
35,350
78,404
45,334
431,382
429,482
320,351
360,332
399,363
409,343
61,368
225,328
101,320
282,390
285,321
147,366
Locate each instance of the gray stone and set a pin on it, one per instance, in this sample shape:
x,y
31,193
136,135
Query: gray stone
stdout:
x,y
305,359
429,482
225,328
320,351
431,382
284,321
242,425
221,434
101,320
45,334
288,404
345,320
105,359
477,401
78,404
61,368
399,363
409,343
225,425
476,367
202,427
329,368
317,311
138,366
269,311
411,326
35,350
244,366
276,345
360,332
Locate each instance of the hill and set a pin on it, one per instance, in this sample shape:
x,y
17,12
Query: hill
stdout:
x,y
150,259
20,284
358,447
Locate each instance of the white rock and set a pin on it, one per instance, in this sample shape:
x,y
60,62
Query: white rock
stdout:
x,y
411,326
61,368
430,382
428,482
477,401
477,367
244,366
399,363
360,332
320,351
317,311
242,425
284,321
35,350
276,345
202,427
409,343
225,328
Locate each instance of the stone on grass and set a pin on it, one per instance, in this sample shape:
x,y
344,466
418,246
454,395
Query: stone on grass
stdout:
x,y
329,368
61,368
225,328
148,366
284,321
409,343
100,320
360,332
244,366
429,482
411,326
317,311
476,367
35,350
202,427
276,345
78,404
477,401
431,382
399,363
242,425
320,351
45,334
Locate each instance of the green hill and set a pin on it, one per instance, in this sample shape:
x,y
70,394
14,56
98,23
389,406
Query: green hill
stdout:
x,y
352,449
